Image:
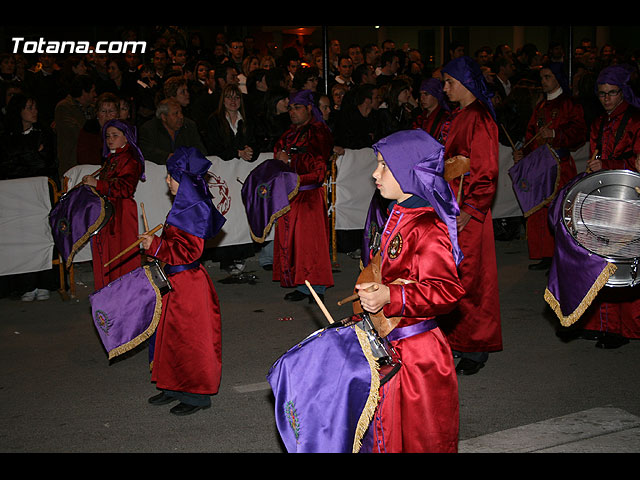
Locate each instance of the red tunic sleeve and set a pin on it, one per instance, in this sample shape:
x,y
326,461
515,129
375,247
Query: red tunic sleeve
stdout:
x,y
176,247
427,260
123,172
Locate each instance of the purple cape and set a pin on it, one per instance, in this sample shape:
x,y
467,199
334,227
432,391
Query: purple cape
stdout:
x,y
266,194
535,179
78,215
326,390
467,71
192,209
126,311
576,275
416,160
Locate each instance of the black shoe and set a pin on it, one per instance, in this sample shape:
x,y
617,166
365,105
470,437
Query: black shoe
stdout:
x,y
186,409
468,367
544,264
295,296
610,341
268,268
161,399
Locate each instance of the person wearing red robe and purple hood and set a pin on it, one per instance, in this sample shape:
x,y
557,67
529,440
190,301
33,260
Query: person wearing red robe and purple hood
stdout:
x,y
187,358
418,407
474,327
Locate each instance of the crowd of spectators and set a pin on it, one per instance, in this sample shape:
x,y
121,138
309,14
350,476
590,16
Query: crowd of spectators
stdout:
x,y
230,99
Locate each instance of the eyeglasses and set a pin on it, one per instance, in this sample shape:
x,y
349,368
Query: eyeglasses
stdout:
x,y
610,93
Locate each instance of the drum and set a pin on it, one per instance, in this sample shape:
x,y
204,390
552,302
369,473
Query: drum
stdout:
x,y
601,212
535,179
326,388
266,194
126,312
79,214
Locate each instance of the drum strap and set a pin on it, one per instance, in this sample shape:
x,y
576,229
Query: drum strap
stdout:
x,y
173,269
400,333
619,132
309,187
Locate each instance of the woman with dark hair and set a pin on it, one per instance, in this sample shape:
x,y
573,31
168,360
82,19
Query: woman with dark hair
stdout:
x,y
230,136
228,133
396,114
27,150
275,121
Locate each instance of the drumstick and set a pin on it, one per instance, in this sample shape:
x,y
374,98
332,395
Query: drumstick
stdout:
x,y
97,172
319,302
508,137
144,217
588,170
134,244
355,296
536,135
459,198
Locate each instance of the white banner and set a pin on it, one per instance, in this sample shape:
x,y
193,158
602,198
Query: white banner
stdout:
x,y
26,244
354,187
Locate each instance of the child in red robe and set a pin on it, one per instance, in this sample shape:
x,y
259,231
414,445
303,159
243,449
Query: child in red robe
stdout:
x,y
187,358
418,409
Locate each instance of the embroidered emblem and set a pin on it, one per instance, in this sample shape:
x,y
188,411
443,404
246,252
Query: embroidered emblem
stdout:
x,y
63,226
395,247
523,185
264,191
102,321
220,192
292,416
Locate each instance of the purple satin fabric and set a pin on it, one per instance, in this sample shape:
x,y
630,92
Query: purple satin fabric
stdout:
x,y
416,160
265,193
75,216
376,218
193,210
124,310
573,270
321,387
534,178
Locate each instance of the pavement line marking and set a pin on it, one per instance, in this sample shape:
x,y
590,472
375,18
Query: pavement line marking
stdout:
x,y
554,432
252,387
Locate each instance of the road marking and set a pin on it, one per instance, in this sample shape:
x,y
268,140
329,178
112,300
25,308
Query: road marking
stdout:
x,y
252,387
604,429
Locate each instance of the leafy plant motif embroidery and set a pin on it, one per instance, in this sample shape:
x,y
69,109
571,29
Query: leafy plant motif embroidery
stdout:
x,y
292,417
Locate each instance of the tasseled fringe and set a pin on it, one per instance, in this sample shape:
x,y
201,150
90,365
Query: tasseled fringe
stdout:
x,y
549,199
568,320
274,217
374,392
157,311
85,238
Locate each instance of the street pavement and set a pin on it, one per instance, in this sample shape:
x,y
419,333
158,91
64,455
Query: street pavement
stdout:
x,y
60,394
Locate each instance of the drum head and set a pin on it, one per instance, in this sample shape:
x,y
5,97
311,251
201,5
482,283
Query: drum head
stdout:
x,y
602,213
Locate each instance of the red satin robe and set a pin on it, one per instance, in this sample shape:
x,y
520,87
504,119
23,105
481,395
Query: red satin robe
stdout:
x,y
616,310
117,182
475,326
418,409
567,121
301,243
188,352
432,122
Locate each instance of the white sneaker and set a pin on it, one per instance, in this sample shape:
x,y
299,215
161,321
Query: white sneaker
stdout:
x,y
30,296
42,294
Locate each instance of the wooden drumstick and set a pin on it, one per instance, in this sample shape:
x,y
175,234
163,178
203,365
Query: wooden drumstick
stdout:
x,y
319,302
536,135
508,137
134,244
588,170
96,172
144,217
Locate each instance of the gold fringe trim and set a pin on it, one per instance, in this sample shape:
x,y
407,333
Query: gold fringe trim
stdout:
x,y
82,240
568,320
374,392
125,347
549,199
275,216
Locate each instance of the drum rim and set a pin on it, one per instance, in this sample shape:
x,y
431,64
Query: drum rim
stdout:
x,y
571,194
